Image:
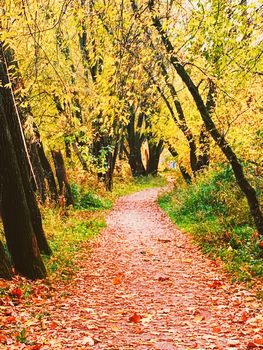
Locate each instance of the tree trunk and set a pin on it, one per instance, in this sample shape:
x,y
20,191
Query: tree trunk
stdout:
x,y
47,171
204,147
5,268
79,155
20,149
155,151
135,141
17,221
220,140
38,171
64,186
184,172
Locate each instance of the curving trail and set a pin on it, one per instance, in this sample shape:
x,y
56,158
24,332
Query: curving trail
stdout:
x,y
146,287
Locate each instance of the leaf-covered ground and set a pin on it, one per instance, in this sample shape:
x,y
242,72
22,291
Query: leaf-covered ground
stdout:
x,y
143,287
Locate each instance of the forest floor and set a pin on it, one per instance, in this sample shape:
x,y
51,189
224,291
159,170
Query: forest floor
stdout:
x,y
144,286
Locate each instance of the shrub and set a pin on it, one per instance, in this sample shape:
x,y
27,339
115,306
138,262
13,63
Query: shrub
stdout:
x,y
215,212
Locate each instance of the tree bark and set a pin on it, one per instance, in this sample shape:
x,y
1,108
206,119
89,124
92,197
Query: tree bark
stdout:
x,y
184,172
220,140
135,141
20,149
17,221
155,150
5,267
64,186
47,171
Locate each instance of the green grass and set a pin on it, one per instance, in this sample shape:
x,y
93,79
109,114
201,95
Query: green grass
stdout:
x,y
122,188
217,216
67,232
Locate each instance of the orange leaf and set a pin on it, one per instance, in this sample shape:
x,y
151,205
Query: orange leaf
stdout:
x,y
118,279
258,341
3,339
53,325
10,319
135,318
216,330
244,316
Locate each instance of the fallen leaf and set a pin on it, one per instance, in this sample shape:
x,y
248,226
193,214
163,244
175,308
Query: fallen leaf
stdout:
x,y
118,279
3,339
87,341
216,329
135,318
215,284
10,319
244,317
199,318
258,341
163,278
16,292
36,347
164,240
251,345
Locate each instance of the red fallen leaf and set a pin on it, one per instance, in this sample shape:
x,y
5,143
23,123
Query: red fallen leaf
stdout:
x,y
216,330
215,284
135,318
244,316
251,345
162,279
16,292
258,341
53,325
3,339
260,244
36,347
10,319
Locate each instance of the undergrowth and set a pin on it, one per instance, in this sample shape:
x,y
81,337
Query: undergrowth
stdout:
x,y
216,214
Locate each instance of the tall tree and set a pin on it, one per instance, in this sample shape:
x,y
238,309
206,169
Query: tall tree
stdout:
x,y
218,137
15,185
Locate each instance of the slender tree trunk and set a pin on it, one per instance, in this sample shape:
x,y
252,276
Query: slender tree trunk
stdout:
x,y
38,171
184,172
79,155
64,186
220,140
48,172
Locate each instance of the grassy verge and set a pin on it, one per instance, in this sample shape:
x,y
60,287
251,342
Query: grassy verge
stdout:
x,y
68,230
216,215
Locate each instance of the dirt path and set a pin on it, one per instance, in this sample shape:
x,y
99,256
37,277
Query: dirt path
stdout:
x,y
146,287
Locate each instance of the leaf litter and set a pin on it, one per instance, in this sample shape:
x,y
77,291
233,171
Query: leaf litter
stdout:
x,y
145,286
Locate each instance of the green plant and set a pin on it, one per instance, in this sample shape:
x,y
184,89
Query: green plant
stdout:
x,y
21,337
214,211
